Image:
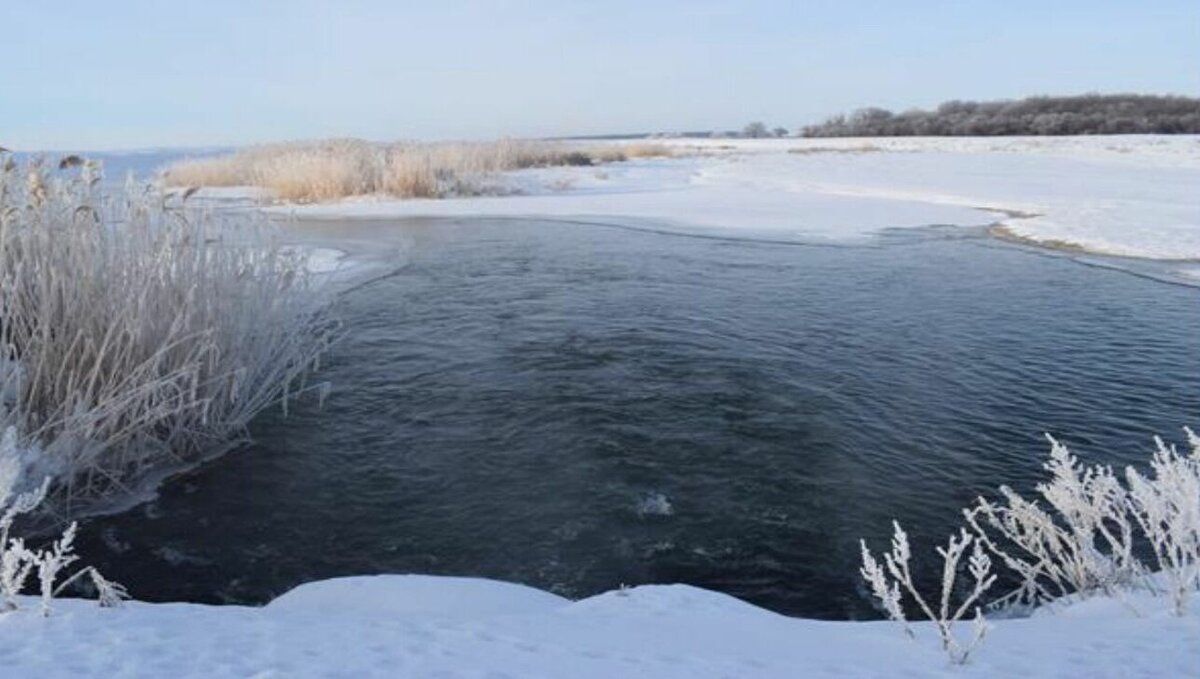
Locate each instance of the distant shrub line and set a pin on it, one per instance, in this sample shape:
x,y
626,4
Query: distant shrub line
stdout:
x,y
1085,114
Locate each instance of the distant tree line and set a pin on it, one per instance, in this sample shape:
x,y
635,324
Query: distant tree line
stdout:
x,y
1084,114
759,130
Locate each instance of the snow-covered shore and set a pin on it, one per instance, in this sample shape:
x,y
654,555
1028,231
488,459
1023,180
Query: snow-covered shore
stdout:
x,y
422,626
1131,196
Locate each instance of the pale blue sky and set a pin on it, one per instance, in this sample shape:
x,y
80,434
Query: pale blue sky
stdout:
x,y
126,74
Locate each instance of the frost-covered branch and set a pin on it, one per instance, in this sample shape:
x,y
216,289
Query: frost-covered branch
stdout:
x,y
1082,542
888,591
50,563
1166,507
18,562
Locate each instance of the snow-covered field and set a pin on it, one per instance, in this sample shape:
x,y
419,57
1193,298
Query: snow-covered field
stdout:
x,y
1133,196
424,627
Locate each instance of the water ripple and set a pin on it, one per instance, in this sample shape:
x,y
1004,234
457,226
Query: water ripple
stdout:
x,y
576,407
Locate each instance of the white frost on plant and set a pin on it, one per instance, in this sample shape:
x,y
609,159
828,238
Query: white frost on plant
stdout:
x,y
50,563
10,466
947,615
17,561
1083,544
138,333
1166,507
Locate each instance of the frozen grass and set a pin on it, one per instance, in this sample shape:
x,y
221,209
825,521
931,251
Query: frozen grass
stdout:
x,y
331,169
138,335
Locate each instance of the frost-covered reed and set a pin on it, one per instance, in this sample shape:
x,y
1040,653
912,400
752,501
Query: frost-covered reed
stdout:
x,y
138,335
331,169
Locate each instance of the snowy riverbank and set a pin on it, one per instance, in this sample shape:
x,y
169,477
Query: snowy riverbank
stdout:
x,y
421,626
1126,195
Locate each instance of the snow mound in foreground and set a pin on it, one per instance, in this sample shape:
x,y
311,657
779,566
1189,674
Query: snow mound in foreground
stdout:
x,y
421,626
415,597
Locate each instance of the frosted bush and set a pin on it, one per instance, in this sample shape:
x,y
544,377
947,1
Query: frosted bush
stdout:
x,y
1083,541
1166,507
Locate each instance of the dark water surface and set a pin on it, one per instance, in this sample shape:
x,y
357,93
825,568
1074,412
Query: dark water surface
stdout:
x,y
575,407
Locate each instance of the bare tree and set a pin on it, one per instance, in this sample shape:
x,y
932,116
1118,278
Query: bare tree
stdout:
x,y
755,130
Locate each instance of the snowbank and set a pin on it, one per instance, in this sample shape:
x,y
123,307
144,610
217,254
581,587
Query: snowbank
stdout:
x,y
422,626
1128,195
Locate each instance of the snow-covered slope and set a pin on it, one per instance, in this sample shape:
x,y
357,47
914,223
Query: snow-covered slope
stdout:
x,y
422,627
1134,196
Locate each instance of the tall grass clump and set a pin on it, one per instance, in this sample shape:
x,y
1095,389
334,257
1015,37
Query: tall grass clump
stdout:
x,y
138,335
331,169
